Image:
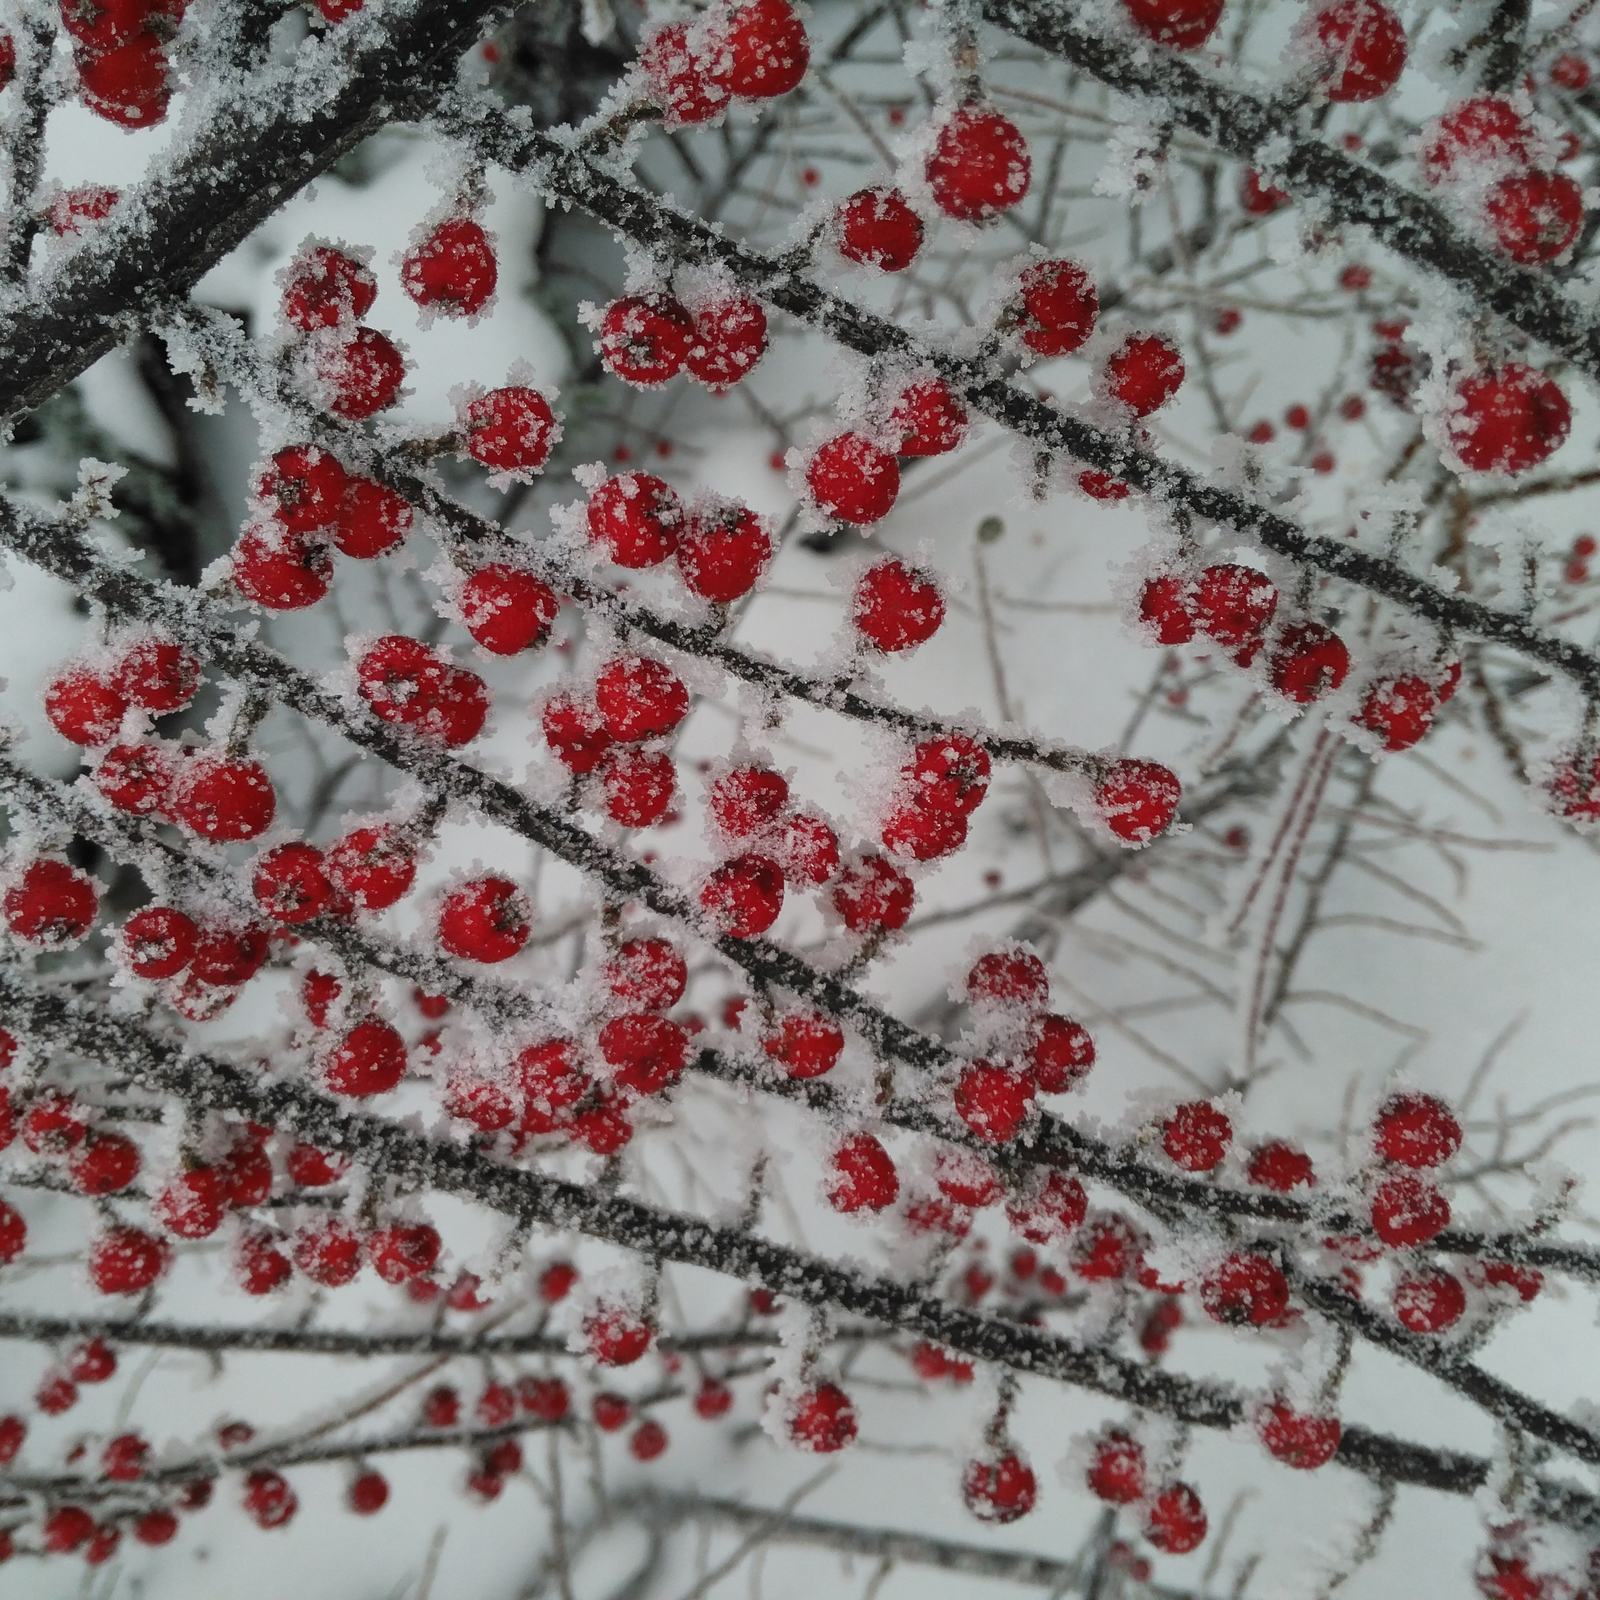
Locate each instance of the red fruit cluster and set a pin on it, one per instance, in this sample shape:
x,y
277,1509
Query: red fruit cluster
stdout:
x,y
119,48
648,339
87,702
414,687
354,371
939,788
693,70
1058,308
1400,709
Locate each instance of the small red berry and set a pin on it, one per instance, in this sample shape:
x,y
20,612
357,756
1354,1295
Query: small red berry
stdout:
x,y
822,1420
453,269
356,374
639,786
84,707
1196,1136
1535,216
999,1490
50,904
979,166
928,419
649,1440
611,1412
807,1044
371,867
303,488
876,228
1060,305
124,1458
923,834
1049,1208
124,1260
861,1176
1060,1054
744,896
157,675
128,84
1182,24
487,919
93,1361
616,1335
193,1203
1143,373
158,942
852,479
1008,978
636,519
1116,1473
1281,1167
1299,1439
686,73
896,607
408,684
1138,800
645,339
511,431
647,973
723,553
65,1528
222,800
268,1499
730,337
1167,609
507,610
135,778
1416,1130
326,287
1233,605
156,1527
872,893
1258,198
373,519
713,1399
1361,47
767,49
13,1233
1485,131
291,884
1429,1302
103,1164
993,1100
1176,1521
648,1054
1408,1210
949,772
746,801
808,852
576,732
1570,72
640,698
328,1251
1307,661
545,1398
280,570
1245,1288
368,1493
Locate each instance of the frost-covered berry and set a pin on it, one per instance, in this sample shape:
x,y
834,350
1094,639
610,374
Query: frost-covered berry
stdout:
x,y
576,732
1399,710
370,867
312,1168
616,1335
156,1527
850,478
1060,1053
640,698
767,49
402,1251
979,166
303,487
1137,799
645,338
193,1203
54,1124
487,920
747,801
407,683
861,1176
1196,1136
1483,132
65,1528
649,974
358,373
993,1100
50,904
928,419
1181,24
225,956
56,1394
1360,46
280,570
895,606
822,1420
686,73
965,1177
453,270
1534,216
125,1260
510,430
222,799
872,894
246,1172
1167,608
723,553
1233,605
83,707
328,1251
876,228
1258,197
13,1233
806,1044
129,84
1060,305
1408,1210
93,1361
1280,1166
730,337
545,1398
1176,1520
636,519
743,897
1116,1470
551,1078
1307,661
922,834
638,786
807,851
373,519
157,675
647,1054
1429,1302
291,884
1299,1439
1000,1489
269,1502
949,772
507,610
1416,1130
1143,373
1245,1289
104,1163
259,1266
370,1059
136,778
326,287
1007,980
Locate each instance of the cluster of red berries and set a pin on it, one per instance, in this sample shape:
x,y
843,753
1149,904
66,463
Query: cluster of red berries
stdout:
x,y
648,339
354,371
120,50
692,71
1174,1518
87,701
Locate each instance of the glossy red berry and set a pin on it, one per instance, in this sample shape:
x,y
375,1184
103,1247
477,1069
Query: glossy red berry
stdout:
x,y
93,1361
611,1412
1429,1302
1196,1136
1008,979
129,84
616,1336
822,1420
645,338
949,772
1408,1211
1048,1208
193,1203
373,519
685,67
326,287
1360,46
767,49
83,707
979,166
403,1251
1416,1130
1280,1166
993,1100
54,1124
290,883
124,1260
1245,1289
576,732
1060,1053
1307,661
806,1044
730,337
158,942
723,553
1000,1489
1535,216
1399,710
649,974
922,834
1176,1521
872,894
1299,1439
280,570
636,519
852,479
1143,373
368,1493
157,675
1483,132
407,683
1137,800
861,1177
488,919
1180,24
1060,306
246,1172
744,896
370,867
221,799
453,269
357,373
647,1054
507,610
328,1251
50,904
303,488
928,419
1167,609
135,778
511,430
370,1059
1117,1469
876,228
640,698
124,1458
1233,605
269,1502
896,607
226,956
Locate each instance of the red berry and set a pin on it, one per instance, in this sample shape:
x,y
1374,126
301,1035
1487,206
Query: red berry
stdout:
x,y
1245,1288
616,1336
686,72
872,893
1167,608
1196,1136
123,1260
1049,1208
356,374
93,1361
156,1527
928,419
545,1398
103,24
639,785
290,883
636,519
103,1545
1176,1521
50,904
280,570
640,698
268,1499
223,800
876,228
83,707
1399,710
1485,131
224,957
1298,1439
922,834
1429,1302
56,1394
979,166
896,607
193,1203
1060,305
1280,1166
730,337
507,610
822,1419
965,1177
1116,1473
441,1407
372,519
861,1177
371,867
246,1172
852,479
487,919
1526,1281
993,1100
124,1458
368,1493
723,553
808,852
647,1054
767,49
1416,1130
744,896
370,1059
556,1281
1143,373
1007,978
407,683
13,1233
999,1490
645,338
158,942
452,269
328,1251
610,1412
13,1430
649,1440
1407,1210
1259,199
1138,800
1297,417
576,733
1182,24
747,801
1570,72
303,489
1535,215
136,778
326,287
806,1043
65,1528
312,1168
511,430
647,973
157,675
1307,661
55,1123
1361,47
949,772
1061,1053
713,1399
128,84
1233,605
497,1405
